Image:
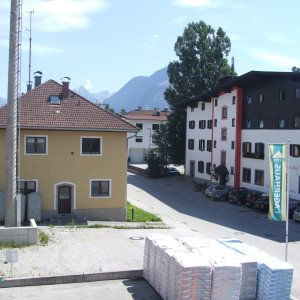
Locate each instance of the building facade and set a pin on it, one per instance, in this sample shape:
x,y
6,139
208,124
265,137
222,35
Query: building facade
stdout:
x,y
73,153
232,125
148,122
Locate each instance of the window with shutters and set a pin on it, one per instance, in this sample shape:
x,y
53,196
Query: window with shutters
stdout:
x,y
224,134
191,144
216,122
260,150
208,164
294,150
200,166
209,124
201,145
208,146
246,175
202,124
259,177
191,124
246,149
224,112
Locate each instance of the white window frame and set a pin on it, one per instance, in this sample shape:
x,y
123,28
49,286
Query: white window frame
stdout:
x,y
139,137
36,183
90,191
35,135
155,124
91,137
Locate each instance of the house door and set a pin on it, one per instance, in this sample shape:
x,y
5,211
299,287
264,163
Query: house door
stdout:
x,y
192,168
64,200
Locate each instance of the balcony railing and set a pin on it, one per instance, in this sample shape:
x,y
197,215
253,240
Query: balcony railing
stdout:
x,y
253,155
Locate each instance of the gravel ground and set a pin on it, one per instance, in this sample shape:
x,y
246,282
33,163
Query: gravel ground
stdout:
x,y
77,251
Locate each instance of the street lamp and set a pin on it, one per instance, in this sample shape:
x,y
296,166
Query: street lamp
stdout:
x,y
149,138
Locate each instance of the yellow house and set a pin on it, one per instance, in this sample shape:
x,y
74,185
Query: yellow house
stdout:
x,y
72,152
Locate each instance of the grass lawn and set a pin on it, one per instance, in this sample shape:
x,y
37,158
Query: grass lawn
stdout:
x,y
140,215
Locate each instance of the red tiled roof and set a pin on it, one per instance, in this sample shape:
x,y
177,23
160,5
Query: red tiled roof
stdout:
x,y
147,115
73,114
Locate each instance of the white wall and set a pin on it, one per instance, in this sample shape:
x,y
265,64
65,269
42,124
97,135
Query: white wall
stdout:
x,y
270,136
211,134
144,133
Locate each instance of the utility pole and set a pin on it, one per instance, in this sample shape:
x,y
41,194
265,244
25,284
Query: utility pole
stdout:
x,y
11,120
29,85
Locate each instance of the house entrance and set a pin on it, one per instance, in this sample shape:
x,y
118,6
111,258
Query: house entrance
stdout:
x,y
64,200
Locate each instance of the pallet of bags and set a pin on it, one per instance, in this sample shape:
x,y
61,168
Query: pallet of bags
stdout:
x,y
148,248
165,270
161,247
190,277
274,276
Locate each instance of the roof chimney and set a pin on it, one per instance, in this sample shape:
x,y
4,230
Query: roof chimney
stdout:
x,y
37,79
123,111
165,109
139,108
65,88
29,86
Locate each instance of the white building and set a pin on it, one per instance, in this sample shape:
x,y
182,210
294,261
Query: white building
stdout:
x,y
229,128
148,121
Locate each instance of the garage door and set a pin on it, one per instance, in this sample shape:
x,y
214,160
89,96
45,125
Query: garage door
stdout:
x,y
137,155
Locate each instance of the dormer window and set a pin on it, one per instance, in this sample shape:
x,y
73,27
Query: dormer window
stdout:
x,y
54,100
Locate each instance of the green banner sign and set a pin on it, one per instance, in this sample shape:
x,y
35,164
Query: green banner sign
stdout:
x,y
277,164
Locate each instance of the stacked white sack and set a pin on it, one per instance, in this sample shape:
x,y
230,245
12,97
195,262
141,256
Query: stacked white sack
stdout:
x,y
226,280
146,260
161,246
189,277
275,280
271,272
165,270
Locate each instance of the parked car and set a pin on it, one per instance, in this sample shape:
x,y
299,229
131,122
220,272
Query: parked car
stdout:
x,y
213,188
296,215
262,204
238,196
172,171
253,196
222,195
293,205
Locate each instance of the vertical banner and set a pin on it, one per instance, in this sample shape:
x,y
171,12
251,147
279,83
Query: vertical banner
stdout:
x,y
277,165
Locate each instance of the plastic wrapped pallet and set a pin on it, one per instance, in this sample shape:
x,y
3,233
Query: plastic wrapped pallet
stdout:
x,y
165,270
161,246
190,277
148,242
274,276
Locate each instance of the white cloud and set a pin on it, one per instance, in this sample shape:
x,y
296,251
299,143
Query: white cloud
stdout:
x,y
155,36
43,51
277,60
180,19
195,3
234,37
143,45
88,84
61,15
152,44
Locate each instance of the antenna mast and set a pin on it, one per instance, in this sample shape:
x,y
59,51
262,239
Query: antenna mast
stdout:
x,y
29,85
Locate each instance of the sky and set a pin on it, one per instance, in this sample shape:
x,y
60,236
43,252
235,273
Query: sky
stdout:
x,y
102,44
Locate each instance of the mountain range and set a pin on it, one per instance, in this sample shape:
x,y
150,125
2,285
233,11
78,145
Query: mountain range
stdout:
x,y
144,91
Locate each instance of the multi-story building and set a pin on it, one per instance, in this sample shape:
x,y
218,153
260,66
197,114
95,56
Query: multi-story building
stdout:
x,y
148,121
72,152
230,126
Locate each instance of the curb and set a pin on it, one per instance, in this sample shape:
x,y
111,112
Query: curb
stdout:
x,y
63,279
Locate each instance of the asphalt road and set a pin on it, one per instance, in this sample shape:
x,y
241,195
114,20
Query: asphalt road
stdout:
x,y
174,198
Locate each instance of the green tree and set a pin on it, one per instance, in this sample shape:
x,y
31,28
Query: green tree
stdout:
x,y
202,60
109,109
160,141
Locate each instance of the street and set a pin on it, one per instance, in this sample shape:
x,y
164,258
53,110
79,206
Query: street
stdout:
x,y
172,197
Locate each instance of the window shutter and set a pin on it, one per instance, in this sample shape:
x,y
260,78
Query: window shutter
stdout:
x,y
256,148
192,144
291,150
189,144
244,147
